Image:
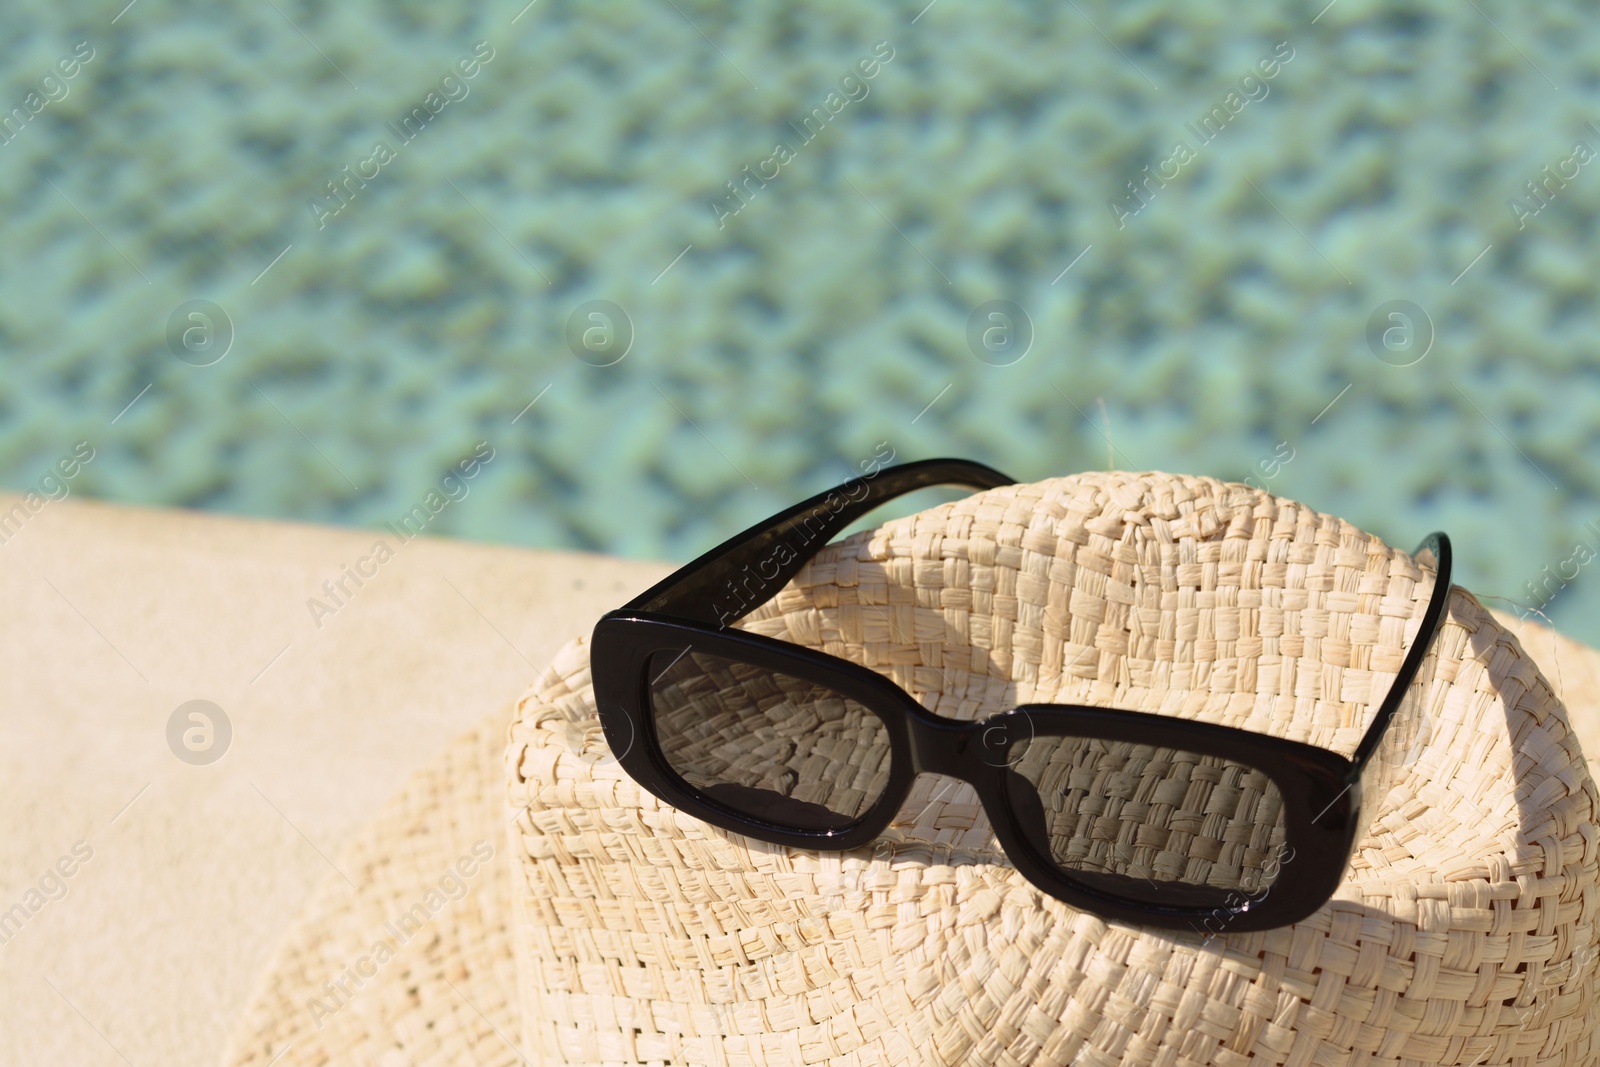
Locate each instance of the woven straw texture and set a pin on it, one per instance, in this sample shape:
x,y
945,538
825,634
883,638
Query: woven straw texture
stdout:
x,y
1463,934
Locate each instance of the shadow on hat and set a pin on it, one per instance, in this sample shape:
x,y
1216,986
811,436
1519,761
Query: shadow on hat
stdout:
x,y
525,901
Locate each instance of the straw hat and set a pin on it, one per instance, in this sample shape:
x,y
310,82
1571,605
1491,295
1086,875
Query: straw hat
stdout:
x,y
527,902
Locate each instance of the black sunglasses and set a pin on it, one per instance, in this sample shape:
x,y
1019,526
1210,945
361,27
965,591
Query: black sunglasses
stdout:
x,y
1136,817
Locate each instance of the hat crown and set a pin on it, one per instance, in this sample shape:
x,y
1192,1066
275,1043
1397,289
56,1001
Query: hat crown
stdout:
x,y
1464,932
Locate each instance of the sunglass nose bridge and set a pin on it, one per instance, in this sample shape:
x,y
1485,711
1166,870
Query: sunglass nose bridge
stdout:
x,y
940,746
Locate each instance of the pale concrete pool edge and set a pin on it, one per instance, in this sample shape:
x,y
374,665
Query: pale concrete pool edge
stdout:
x,y
116,615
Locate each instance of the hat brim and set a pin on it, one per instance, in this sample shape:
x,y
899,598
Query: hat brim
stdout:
x,y
447,993
410,961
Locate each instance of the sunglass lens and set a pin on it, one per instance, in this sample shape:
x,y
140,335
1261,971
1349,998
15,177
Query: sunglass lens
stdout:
x,y
1156,825
766,744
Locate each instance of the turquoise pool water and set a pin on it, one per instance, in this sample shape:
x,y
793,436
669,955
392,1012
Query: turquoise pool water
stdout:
x,y
676,264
